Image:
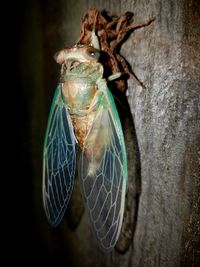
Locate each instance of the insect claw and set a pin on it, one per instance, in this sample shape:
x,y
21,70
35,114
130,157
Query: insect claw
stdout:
x,y
95,40
115,76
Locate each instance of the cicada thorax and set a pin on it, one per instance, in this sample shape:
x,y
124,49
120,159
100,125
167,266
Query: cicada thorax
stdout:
x,y
79,88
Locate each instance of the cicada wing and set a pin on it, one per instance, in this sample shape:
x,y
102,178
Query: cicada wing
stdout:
x,y
103,172
59,160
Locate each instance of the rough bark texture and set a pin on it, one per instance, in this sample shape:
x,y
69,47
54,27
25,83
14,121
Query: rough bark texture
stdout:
x,y
162,219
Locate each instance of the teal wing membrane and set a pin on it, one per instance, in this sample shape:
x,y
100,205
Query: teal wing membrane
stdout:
x,y
59,160
103,172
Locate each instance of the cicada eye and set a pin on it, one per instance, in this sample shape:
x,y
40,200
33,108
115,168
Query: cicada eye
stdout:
x,y
92,52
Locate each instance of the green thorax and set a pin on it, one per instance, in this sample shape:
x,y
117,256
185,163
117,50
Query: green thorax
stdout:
x,y
87,72
79,84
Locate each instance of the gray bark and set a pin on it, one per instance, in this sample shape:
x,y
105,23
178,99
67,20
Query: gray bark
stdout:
x,y
162,218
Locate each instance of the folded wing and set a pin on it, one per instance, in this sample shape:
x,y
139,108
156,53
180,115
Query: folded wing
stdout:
x,y
59,160
103,172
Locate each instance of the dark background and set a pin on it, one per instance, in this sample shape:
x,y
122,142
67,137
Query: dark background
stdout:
x,y
24,130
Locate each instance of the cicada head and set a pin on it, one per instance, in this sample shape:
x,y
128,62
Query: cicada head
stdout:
x,y
79,52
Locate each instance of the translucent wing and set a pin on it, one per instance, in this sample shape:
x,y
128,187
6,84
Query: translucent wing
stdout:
x,y
59,160
103,172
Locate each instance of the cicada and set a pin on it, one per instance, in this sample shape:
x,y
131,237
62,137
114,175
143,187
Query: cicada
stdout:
x,y
83,114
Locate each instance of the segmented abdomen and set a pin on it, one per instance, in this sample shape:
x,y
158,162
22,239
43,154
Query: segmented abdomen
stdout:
x,y
81,126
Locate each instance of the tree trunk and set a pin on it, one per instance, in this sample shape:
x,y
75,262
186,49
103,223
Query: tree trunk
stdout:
x,y
162,218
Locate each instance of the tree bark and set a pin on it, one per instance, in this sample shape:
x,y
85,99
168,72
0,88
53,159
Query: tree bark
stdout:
x,y
162,219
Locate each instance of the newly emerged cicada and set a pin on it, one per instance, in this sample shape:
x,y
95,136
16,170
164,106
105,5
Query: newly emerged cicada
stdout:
x,y
83,113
